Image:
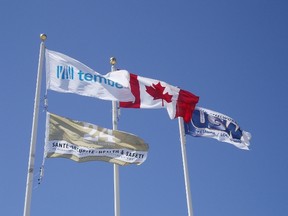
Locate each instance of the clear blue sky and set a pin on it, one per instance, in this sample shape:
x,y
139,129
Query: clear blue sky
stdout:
x,y
233,54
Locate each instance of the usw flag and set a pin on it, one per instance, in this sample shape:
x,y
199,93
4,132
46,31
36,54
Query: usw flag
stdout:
x,y
208,123
81,142
67,75
154,94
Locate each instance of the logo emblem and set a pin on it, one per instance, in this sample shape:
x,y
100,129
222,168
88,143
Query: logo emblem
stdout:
x,y
65,72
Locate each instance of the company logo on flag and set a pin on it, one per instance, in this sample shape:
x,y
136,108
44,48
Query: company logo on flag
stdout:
x,y
65,72
81,142
67,75
208,123
154,94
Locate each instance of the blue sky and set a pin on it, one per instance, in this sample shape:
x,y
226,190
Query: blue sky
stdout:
x,y
232,54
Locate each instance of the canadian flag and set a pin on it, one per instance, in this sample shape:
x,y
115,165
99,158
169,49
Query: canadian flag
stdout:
x,y
154,94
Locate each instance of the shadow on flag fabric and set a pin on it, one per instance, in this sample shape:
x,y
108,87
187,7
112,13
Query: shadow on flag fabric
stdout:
x,y
81,142
67,75
154,94
208,123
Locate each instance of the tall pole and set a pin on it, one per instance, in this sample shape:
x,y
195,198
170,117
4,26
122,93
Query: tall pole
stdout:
x,y
185,166
116,167
29,184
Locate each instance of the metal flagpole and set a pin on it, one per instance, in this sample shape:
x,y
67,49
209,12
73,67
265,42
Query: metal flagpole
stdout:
x,y
29,183
185,166
116,167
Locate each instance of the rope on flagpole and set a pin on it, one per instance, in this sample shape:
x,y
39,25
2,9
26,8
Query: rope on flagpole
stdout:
x,y
45,109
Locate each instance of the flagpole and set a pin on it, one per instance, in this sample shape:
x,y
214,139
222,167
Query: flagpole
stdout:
x,y
116,167
185,166
30,173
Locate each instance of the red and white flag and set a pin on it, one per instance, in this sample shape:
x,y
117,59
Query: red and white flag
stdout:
x,y
154,94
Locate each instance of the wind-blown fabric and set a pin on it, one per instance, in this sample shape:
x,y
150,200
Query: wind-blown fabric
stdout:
x,y
208,123
81,142
154,94
67,75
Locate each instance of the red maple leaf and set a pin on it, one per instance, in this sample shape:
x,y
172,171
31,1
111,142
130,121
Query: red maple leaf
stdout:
x,y
156,91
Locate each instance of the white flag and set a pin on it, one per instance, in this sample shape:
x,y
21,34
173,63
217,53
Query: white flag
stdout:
x,y
67,75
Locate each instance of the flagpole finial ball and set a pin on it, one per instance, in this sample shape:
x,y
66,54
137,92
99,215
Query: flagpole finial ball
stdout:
x,y
43,37
113,61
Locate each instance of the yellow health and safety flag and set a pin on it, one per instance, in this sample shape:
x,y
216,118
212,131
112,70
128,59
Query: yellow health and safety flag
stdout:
x,y
81,142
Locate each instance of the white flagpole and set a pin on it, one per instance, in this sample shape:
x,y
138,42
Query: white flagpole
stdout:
x,y
185,166
29,184
116,167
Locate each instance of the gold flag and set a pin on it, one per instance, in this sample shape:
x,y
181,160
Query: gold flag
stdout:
x,y
81,142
